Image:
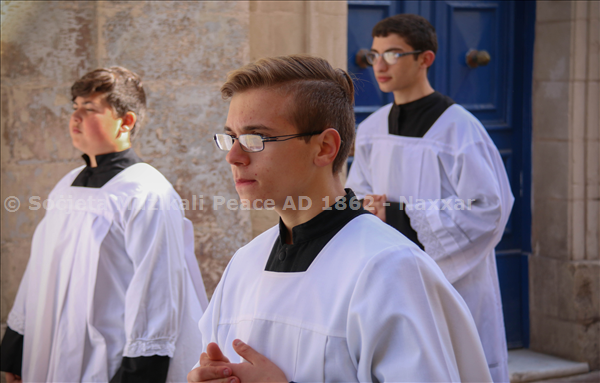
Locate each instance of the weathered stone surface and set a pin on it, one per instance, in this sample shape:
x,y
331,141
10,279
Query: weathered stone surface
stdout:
x,y
37,128
186,41
31,184
552,50
549,231
11,271
46,41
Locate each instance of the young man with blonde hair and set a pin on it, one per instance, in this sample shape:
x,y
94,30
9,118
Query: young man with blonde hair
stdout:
x,y
431,171
331,293
112,290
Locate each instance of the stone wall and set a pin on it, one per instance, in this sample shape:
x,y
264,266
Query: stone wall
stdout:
x,y
183,51
565,264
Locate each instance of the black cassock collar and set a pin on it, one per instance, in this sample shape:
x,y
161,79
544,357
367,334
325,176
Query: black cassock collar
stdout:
x,y
311,237
108,166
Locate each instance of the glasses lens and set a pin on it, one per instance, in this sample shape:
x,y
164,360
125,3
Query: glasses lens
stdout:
x,y
224,141
252,142
390,57
371,57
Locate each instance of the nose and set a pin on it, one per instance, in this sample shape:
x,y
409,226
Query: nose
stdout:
x,y
380,65
237,156
76,116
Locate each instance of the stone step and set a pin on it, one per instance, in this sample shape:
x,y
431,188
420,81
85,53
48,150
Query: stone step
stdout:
x,y
528,366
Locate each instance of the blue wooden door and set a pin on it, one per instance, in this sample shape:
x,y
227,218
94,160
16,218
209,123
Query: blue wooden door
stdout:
x,y
498,94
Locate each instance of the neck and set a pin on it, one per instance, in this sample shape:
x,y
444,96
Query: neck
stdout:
x,y
322,197
420,90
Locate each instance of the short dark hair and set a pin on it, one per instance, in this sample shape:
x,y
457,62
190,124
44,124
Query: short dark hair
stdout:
x,y
414,29
123,89
323,97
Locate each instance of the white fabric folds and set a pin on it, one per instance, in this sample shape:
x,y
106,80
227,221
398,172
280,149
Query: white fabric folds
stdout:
x,y
107,278
456,192
371,307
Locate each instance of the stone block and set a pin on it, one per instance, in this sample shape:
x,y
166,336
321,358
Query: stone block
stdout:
x,y
271,7
549,228
175,41
543,282
553,11
592,233
266,37
570,340
15,255
552,51
580,10
336,8
550,110
325,33
551,170
580,53
579,287
47,42
37,129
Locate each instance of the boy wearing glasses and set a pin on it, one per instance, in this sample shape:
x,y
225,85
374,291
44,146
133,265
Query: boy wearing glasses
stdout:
x,y
429,169
112,290
331,293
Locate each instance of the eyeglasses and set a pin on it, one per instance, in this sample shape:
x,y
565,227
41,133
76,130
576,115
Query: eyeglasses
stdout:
x,y
390,57
253,143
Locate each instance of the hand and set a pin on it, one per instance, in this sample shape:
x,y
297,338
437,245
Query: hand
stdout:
x,y
377,206
257,368
214,367
10,378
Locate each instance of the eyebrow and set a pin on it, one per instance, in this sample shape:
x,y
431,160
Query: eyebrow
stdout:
x,y
84,103
250,128
388,50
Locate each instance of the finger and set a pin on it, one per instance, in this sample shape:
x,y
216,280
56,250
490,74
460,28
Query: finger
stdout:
x,y
214,352
205,361
212,374
247,352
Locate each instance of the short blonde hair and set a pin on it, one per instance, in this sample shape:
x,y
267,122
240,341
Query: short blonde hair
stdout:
x,y
323,97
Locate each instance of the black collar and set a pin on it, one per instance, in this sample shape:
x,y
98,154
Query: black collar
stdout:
x,y
414,118
311,237
108,166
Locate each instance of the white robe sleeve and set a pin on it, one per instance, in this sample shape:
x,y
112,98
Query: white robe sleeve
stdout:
x,y
461,228
155,297
407,324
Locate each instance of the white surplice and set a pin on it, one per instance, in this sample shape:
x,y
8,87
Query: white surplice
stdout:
x,y
109,277
461,200
371,307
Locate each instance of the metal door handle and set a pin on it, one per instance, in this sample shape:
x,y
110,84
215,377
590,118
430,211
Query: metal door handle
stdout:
x,y
477,58
361,58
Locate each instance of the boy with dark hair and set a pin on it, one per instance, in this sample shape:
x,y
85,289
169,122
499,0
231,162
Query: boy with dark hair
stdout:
x,y
331,293
429,169
112,283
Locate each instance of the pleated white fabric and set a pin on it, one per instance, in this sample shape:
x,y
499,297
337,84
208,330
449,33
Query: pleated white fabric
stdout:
x,y
107,278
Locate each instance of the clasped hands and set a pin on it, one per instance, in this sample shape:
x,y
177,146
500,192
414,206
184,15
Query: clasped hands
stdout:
x,y
216,368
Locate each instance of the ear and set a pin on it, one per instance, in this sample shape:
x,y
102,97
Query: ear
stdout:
x,y
329,146
128,122
427,57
